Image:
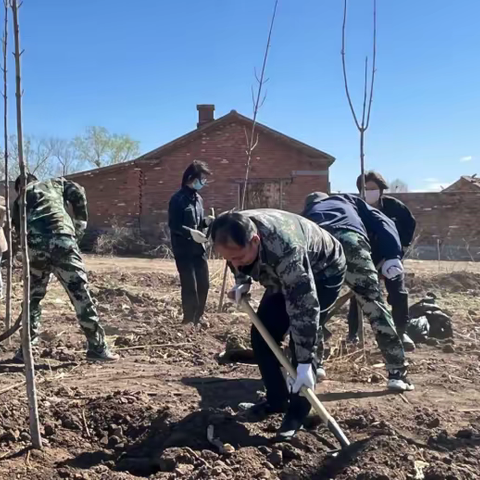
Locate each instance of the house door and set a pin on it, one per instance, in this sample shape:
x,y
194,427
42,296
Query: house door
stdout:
x,y
262,195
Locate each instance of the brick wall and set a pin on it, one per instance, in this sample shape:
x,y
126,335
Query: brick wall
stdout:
x,y
112,195
448,224
140,192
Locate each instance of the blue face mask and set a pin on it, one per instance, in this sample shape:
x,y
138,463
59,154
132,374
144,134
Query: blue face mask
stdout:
x,y
198,184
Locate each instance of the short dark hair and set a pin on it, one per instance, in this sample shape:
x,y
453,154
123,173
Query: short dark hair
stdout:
x,y
372,176
30,178
233,226
195,170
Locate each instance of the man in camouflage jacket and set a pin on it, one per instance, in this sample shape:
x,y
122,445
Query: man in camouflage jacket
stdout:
x,y
53,249
302,268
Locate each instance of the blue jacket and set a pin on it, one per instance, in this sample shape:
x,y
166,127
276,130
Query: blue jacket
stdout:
x,y
347,212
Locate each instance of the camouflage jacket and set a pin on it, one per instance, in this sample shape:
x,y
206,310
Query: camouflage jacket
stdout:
x,y
294,255
47,204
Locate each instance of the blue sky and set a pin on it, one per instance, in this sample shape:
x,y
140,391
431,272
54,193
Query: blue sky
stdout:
x,y
141,67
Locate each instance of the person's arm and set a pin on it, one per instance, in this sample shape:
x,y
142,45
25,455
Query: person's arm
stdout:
x,y
408,224
302,302
75,195
382,227
176,211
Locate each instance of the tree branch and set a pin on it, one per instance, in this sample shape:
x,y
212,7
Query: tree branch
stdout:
x,y
257,104
344,66
365,88
373,62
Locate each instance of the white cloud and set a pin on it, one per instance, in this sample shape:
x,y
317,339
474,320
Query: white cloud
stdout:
x,y
468,158
431,180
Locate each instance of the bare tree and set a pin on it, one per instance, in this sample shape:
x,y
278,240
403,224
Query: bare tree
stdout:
x,y
362,123
100,148
63,156
26,343
37,153
398,186
252,138
258,101
8,222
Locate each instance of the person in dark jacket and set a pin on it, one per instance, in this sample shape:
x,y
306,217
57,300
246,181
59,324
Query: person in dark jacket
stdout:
x,y
187,224
375,186
350,220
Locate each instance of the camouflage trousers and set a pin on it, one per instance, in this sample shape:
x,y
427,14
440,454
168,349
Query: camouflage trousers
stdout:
x,y
59,255
362,278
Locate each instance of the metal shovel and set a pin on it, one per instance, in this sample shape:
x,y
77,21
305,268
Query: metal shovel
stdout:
x,y
307,392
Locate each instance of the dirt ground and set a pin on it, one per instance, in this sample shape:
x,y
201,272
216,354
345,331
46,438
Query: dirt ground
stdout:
x,y
147,415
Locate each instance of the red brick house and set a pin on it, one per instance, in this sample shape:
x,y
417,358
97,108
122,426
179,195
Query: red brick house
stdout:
x,y
136,193
464,184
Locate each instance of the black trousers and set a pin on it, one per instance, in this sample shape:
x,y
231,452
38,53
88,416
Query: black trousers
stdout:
x,y
273,314
194,281
397,298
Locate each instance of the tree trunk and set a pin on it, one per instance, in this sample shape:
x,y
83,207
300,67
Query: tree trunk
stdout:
x,y
8,223
27,348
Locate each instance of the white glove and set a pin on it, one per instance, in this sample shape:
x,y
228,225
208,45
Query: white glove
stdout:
x,y
238,291
305,377
208,220
198,236
392,268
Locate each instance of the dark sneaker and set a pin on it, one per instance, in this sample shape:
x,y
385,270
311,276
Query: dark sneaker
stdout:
x,y
408,343
186,321
18,357
399,382
262,408
352,339
290,426
101,355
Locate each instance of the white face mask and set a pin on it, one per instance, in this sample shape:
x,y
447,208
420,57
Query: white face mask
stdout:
x,y
372,196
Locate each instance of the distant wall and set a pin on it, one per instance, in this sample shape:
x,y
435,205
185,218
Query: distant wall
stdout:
x,y
448,224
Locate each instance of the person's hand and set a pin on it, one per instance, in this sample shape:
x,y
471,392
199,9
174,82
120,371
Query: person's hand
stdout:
x,y
238,291
208,220
392,268
80,227
198,236
305,378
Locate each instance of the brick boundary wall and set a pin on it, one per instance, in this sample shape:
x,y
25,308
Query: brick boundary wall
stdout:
x,y
448,224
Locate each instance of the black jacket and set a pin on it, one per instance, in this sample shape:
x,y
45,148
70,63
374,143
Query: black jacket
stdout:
x,y
401,215
186,210
346,212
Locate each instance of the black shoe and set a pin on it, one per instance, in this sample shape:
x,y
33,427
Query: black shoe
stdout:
x,y
186,321
408,343
18,357
102,354
262,409
398,381
290,426
352,339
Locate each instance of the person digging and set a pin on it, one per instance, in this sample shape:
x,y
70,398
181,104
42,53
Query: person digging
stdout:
x,y
351,221
53,238
302,268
